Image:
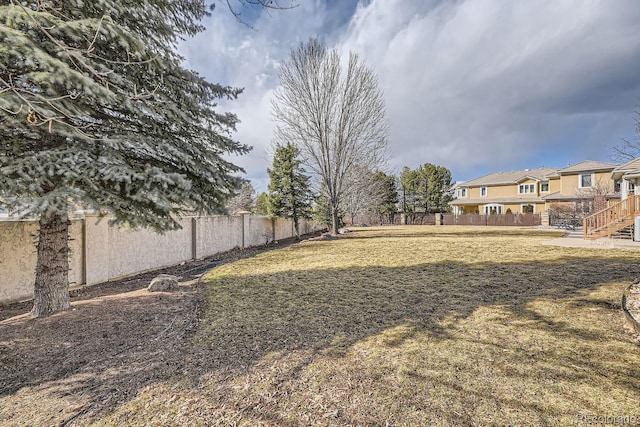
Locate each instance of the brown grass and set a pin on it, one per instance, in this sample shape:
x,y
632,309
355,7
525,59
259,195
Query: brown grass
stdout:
x,y
406,326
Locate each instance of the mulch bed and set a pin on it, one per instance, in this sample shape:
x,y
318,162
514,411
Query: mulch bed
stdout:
x,y
102,351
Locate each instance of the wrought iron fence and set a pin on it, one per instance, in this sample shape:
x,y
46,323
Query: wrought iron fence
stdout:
x,y
505,220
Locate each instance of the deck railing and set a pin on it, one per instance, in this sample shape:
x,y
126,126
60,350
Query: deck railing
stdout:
x,y
608,221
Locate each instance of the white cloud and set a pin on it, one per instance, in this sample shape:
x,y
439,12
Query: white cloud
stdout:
x,y
476,86
233,54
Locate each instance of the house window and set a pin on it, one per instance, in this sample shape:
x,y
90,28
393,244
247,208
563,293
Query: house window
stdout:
x,y
527,189
528,209
544,187
462,192
586,180
616,186
483,191
493,209
632,188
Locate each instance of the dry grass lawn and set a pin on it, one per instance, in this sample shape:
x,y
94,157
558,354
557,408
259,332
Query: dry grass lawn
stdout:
x,y
408,326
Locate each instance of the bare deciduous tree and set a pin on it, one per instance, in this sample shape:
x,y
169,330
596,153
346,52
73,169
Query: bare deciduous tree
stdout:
x,y
243,200
241,6
627,150
336,120
363,191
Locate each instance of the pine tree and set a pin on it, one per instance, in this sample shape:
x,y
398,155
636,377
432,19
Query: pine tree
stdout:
x,y
262,205
409,182
289,189
97,112
322,213
433,187
388,203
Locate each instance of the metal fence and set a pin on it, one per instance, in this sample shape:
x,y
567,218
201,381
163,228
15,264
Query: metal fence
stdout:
x,y
505,220
420,218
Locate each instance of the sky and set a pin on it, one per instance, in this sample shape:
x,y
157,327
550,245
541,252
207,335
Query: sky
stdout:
x,y
477,86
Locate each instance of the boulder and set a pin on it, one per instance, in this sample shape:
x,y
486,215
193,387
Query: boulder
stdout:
x,y
164,283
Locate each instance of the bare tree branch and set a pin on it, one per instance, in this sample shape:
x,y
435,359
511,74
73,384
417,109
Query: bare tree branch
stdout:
x,y
627,150
266,5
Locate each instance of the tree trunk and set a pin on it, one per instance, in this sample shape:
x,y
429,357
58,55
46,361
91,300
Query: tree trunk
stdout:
x,y
296,225
273,230
334,220
51,288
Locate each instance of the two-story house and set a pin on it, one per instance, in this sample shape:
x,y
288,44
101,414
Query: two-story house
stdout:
x,y
628,175
536,190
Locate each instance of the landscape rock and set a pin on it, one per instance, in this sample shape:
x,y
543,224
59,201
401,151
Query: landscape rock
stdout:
x,y
164,283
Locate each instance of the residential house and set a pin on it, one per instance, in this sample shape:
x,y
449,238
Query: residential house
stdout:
x,y
628,175
583,188
619,218
536,190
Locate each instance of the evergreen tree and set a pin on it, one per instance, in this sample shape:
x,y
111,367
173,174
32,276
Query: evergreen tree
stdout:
x,y
97,112
262,205
322,213
433,187
388,202
289,189
409,182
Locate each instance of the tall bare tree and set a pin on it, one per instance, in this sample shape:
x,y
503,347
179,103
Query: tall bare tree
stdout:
x,y
334,115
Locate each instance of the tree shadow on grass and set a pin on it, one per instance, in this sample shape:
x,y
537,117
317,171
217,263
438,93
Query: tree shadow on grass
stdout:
x,y
333,309
318,311
328,311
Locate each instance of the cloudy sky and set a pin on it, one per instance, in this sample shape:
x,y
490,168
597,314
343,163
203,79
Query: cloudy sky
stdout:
x,y
477,86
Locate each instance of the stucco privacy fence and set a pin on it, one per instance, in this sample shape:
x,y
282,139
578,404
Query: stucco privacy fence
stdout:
x,y
100,252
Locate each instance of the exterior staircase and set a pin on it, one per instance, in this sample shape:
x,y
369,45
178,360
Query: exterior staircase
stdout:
x,y
614,219
624,233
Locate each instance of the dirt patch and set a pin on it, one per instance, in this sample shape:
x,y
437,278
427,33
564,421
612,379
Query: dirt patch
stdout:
x,y
117,338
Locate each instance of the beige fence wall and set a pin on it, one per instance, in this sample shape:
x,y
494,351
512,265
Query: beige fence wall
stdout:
x,y
100,252
113,252
210,238
18,258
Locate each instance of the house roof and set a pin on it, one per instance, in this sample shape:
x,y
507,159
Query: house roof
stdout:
x,y
557,196
488,201
513,177
587,165
629,168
